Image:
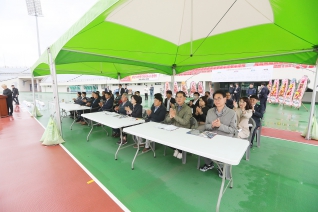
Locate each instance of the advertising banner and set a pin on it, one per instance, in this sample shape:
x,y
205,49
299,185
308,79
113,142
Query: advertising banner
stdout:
x,y
282,91
243,74
300,92
140,77
290,92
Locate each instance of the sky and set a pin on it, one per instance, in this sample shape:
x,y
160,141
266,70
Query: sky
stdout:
x,y
18,40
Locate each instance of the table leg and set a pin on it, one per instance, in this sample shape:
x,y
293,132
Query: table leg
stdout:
x,y
247,153
259,136
132,164
184,157
121,141
222,187
73,121
105,130
92,126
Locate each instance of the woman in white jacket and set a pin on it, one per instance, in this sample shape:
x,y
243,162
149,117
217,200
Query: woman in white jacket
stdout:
x,y
243,113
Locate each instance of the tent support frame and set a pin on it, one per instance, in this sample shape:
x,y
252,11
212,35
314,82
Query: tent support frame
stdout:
x,y
313,104
55,91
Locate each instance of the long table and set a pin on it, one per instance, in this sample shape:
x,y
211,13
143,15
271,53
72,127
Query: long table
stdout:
x,y
226,150
73,107
113,120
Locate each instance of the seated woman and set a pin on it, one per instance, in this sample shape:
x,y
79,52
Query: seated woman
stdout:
x,y
135,111
94,105
201,112
243,113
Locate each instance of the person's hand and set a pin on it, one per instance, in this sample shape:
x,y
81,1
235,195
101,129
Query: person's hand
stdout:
x,y
235,104
100,104
172,113
127,108
84,100
172,106
116,108
148,112
253,106
216,123
199,110
73,98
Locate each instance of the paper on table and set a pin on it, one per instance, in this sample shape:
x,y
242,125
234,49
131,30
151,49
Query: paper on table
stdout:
x,y
167,127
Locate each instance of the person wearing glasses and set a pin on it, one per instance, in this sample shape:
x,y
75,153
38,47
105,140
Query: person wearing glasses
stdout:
x,y
221,120
244,113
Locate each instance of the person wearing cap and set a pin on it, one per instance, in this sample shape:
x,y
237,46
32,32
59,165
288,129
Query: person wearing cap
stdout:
x,y
7,92
257,115
15,94
157,113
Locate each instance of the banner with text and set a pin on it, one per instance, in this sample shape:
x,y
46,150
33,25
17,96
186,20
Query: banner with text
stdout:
x,y
140,77
244,74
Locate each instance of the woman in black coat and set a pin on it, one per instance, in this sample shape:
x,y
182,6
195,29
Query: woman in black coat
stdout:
x,y
135,112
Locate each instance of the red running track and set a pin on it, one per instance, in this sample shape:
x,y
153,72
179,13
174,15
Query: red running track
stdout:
x,y
286,135
38,178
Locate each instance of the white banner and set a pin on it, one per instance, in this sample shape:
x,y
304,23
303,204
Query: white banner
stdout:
x,y
244,74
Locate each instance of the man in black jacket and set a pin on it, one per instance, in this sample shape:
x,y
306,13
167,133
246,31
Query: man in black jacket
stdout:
x,y
257,114
108,104
209,99
169,100
15,94
231,90
121,90
237,92
229,101
194,103
7,92
156,114
263,96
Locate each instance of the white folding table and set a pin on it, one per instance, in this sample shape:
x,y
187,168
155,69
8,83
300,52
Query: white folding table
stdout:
x,y
113,120
224,149
73,107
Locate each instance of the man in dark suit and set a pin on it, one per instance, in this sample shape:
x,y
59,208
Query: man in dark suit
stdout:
x,y
251,91
194,103
156,114
210,101
229,101
237,92
169,100
231,90
15,94
126,89
108,103
7,92
121,90
121,110
263,96
106,89
257,114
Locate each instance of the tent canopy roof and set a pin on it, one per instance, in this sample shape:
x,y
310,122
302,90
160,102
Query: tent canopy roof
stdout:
x,y
145,36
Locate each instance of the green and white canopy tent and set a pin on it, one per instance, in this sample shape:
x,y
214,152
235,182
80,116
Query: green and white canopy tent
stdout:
x,y
117,38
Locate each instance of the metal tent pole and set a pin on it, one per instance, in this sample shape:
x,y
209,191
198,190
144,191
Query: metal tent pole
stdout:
x,y
55,91
33,93
313,103
173,79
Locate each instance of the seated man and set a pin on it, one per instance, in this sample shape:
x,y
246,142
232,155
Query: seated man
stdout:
x,y
107,104
209,100
117,98
258,112
76,100
179,115
156,114
94,107
194,103
221,120
121,110
229,102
